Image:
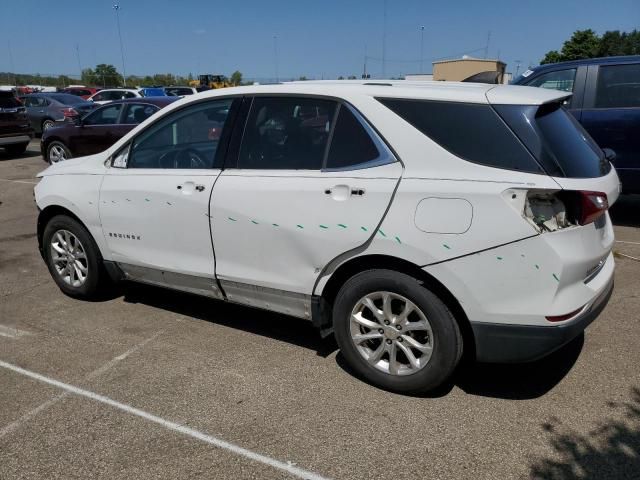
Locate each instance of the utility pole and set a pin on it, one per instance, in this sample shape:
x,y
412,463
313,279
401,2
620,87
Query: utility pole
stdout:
x,y
364,70
518,62
78,57
384,40
116,7
11,65
275,56
421,47
486,48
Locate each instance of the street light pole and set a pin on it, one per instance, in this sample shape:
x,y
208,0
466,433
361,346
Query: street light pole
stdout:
x,y
421,47
116,7
275,56
384,40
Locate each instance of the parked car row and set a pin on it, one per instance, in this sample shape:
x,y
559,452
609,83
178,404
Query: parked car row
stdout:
x,y
15,129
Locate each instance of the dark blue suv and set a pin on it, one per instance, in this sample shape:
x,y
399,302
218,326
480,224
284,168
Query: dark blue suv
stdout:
x,y
606,101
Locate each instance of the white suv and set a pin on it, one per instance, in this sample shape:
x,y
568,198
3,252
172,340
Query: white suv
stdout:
x,y
415,222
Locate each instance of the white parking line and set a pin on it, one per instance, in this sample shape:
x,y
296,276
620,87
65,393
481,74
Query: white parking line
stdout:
x,y
628,243
18,181
169,425
33,412
12,332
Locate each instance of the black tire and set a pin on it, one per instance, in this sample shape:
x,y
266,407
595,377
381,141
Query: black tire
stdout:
x,y
17,149
96,276
447,340
56,143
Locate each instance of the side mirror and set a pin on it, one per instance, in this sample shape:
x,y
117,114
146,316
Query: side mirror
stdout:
x,y
610,155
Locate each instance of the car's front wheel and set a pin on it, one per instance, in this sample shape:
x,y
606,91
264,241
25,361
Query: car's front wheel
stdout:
x,y
395,333
73,258
57,152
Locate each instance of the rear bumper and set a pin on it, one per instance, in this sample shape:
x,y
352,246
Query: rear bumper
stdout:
x,y
13,139
504,343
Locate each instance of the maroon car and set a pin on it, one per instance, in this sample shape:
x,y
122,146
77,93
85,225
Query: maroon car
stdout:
x,y
100,129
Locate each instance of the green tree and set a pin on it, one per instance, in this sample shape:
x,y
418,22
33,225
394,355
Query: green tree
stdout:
x,y
587,44
88,77
236,78
107,75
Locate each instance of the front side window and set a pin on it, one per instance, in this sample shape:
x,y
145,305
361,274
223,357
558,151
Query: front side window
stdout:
x,y
471,131
187,138
559,80
138,113
104,116
618,86
286,133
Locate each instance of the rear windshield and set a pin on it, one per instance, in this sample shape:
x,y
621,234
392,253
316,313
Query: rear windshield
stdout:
x,y
471,131
9,100
67,99
556,139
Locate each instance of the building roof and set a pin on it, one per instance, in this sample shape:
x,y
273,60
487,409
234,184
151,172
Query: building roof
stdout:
x,y
469,59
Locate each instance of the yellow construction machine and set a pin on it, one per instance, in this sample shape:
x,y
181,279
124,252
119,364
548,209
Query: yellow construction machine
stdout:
x,y
210,81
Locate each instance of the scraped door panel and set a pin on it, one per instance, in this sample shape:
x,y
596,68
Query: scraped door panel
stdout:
x,y
280,229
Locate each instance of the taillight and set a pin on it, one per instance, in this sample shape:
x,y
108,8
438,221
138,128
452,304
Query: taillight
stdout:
x,y
70,112
592,206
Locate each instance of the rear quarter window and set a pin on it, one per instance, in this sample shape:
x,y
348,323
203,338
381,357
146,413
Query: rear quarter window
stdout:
x,y
473,132
618,86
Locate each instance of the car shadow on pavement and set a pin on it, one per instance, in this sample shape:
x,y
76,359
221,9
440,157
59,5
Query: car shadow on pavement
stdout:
x,y
519,381
624,212
260,322
513,381
611,450
4,155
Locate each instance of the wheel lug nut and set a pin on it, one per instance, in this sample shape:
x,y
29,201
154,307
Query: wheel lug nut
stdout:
x,y
399,327
380,331
387,322
400,339
388,341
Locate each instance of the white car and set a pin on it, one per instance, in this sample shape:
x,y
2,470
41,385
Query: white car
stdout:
x,y
110,94
416,222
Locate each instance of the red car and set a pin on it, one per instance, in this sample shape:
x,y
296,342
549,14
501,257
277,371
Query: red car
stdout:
x,y
99,129
83,92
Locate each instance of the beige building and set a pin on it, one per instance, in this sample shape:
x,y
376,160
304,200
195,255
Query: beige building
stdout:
x,y
462,68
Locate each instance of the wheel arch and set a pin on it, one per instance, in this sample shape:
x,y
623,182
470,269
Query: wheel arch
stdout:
x,y
48,213
323,308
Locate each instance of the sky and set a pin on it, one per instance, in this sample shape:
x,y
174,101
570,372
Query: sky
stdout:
x,y
317,39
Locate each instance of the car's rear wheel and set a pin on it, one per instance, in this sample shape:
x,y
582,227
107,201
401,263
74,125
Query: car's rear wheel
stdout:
x,y
47,124
16,149
57,152
73,258
395,333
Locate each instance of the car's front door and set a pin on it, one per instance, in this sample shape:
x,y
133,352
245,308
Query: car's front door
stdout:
x,y
96,133
309,182
155,212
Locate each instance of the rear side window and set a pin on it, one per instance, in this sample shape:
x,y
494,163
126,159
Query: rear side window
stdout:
x,y
556,139
473,132
558,80
286,133
351,144
618,86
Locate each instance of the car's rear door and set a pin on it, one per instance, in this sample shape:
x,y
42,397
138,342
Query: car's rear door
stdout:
x,y
154,204
96,133
612,117
309,181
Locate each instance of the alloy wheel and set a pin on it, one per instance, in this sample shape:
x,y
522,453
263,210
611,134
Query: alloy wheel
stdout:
x,y
57,154
69,258
391,333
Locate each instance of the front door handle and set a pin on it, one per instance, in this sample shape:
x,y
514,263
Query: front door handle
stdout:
x,y
343,192
200,188
189,187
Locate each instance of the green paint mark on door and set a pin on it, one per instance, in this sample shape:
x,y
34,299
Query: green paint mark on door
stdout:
x,y
556,277
275,224
382,233
499,258
342,225
398,240
537,267
364,229
324,226
232,219
299,226
254,222
446,246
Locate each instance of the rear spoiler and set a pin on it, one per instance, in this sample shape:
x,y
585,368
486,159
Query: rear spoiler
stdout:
x,y
520,95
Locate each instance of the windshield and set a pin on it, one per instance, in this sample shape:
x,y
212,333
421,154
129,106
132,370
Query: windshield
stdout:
x,y
556,140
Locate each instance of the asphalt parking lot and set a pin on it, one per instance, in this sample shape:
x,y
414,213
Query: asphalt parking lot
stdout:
x,y
156,384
